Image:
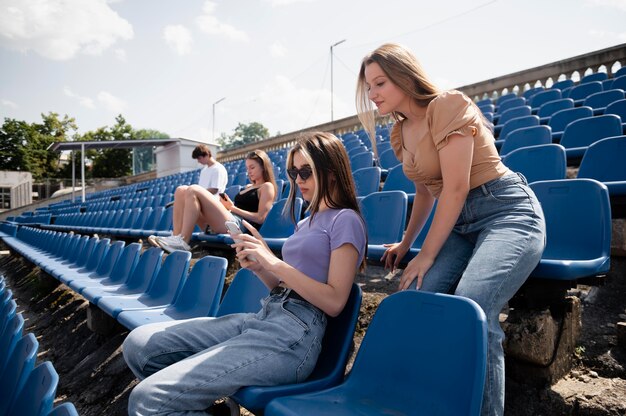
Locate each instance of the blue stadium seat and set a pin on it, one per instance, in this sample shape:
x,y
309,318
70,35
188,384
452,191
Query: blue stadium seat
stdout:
x,y
397,181
9,337
604,162
512,103
598,76
138,282
125,263
620,72
579,134
331,363
160,293
619,83
277,227
600,100
243,295
19,366
578,229
547,109
510,114
582,91
543,97
361,160
561,85
199,296
526,136
390,205
388,160
538,163
104,268
559,120
514,124
441,363
38,394
531,92
366,180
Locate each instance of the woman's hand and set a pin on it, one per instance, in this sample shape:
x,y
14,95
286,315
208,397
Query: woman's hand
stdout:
x,y
226,201
394,253
416,268
254,245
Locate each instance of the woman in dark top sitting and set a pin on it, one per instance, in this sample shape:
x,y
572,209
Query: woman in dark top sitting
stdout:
x,y
253,204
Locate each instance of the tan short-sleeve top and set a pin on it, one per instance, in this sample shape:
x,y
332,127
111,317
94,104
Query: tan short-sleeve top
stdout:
x,y
451,112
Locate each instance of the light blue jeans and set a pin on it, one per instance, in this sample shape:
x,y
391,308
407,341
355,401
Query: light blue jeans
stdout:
x,y
186,365
495,245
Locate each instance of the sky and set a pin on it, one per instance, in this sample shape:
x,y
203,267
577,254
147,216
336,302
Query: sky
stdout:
x,y
166,64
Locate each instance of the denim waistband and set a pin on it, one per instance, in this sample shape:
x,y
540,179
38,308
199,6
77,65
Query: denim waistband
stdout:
x,y
498,183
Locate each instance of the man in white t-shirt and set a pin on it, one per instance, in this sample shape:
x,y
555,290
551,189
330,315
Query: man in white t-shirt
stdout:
x,y
213,178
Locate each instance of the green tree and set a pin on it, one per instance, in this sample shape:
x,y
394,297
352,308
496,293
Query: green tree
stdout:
x,y
111,162
13,138
244,134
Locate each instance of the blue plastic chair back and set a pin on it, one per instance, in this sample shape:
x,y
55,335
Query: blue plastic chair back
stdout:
x,y
549,108
561,85
170,278
560,119
527,136
543,97
388,159
538,163
604,160
243,295
361,160
11,334
331,363
97,255
165,223
517,123
617,108
397,181
598,76
620,72
277,225
38,394
8,308
18,368
514,112
505,97
512,103
409,324
126,263
582,91
531,92
619,83
147,267
232,191
108,262
200,295
390,205
603,98
366,180
578,219
583,132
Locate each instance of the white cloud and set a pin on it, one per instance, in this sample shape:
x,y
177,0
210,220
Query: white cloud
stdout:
x,y
84,101
278,3
120,54
112,103
282,103
208,23
59,30
604,34
178,38
278,50
9,103
616,4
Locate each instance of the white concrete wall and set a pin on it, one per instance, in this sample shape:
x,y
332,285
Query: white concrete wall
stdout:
x,y
176,157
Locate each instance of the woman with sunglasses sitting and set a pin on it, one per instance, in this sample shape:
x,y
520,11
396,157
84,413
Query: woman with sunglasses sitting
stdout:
x,y
210,211
184,366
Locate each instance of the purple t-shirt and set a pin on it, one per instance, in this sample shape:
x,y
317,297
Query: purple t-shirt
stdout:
x,y
309,248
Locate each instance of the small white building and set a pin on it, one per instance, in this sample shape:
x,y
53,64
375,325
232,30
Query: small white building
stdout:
x,y
16,189
176,156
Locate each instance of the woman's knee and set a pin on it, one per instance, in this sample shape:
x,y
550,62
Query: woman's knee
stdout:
x,y
138,400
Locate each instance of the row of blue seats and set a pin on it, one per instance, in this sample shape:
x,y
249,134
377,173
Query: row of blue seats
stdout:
x,y
449,356
26,389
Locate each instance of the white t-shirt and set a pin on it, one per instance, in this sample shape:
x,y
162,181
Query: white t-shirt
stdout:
x,y
214,176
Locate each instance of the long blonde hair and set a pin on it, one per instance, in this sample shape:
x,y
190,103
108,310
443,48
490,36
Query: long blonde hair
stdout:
x,y
404,70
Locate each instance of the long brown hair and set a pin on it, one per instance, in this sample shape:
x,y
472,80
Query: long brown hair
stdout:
x,y
404,70
330,164
268,169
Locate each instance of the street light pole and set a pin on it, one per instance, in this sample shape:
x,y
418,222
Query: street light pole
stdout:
x,y
331,78
214,104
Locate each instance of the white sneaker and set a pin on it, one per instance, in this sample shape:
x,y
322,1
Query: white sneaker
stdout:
x,y
173,243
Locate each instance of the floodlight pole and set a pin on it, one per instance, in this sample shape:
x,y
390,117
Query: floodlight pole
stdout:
x,y
331,78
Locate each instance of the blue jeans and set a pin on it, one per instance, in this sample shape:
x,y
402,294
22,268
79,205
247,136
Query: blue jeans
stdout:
x,y
494,246
186,365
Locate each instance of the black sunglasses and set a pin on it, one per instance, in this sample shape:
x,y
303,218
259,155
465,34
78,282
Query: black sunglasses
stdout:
x,y
304,172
